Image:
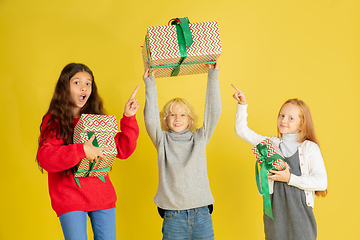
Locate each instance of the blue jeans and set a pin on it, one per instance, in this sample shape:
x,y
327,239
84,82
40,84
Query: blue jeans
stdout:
x,y
192,224
103,223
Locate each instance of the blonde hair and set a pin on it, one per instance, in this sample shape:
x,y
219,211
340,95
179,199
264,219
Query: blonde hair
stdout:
x,y
167,110
307,131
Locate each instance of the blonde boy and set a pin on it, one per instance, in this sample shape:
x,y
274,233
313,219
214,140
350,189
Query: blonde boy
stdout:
x,y
184,197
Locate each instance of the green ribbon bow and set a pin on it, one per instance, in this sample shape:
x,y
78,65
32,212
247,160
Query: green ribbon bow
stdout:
x,y
265,165
185,41
92,164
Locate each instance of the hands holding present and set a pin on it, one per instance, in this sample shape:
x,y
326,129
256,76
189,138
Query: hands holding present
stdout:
x,y
280,176
94,153
147,73
215,65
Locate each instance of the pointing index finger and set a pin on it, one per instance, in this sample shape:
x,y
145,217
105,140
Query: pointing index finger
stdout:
x,y
235,88
134,93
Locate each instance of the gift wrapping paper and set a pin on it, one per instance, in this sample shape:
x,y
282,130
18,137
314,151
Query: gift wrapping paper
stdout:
x,y
161,50
105,128
278,164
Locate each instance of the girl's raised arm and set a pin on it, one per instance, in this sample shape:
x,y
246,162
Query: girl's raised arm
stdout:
x,y
241,128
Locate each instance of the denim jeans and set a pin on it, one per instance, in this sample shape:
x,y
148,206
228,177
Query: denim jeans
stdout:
x,y
192,224
103,223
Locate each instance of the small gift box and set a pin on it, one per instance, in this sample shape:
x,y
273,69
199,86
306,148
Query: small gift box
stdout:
x,y
269,157
181,48
105,128
267,151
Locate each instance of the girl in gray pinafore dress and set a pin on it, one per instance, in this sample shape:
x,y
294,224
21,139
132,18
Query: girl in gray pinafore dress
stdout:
x,y
293,219
292,190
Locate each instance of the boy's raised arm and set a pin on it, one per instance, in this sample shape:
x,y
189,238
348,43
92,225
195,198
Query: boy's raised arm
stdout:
x,y
151,110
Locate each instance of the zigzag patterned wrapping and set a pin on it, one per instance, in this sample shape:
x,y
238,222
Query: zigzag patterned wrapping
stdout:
x,y
161,48
278,164
105,128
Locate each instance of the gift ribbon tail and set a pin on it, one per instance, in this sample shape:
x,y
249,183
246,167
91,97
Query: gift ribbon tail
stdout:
x,y
95,144
257,177
102,178
176,70
77,181
265,191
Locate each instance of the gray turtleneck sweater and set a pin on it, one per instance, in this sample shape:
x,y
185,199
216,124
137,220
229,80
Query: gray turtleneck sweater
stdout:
x,y
183,180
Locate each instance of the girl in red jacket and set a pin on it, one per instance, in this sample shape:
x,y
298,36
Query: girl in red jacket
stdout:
x,y
75,94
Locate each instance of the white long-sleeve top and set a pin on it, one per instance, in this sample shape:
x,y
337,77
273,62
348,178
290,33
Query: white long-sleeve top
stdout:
x,y
313,173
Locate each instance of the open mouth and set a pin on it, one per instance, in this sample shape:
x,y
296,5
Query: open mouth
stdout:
x,y
82,97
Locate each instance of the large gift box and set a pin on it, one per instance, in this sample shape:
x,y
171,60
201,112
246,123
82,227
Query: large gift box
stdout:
x,y
105,128
269,157
181,48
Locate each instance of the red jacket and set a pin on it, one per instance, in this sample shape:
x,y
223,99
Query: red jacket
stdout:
x,y
56,158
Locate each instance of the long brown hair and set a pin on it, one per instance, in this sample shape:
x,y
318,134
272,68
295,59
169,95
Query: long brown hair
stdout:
x,y
61,122
307,130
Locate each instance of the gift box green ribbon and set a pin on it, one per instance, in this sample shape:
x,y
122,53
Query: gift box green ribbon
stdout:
x,y
265,166
185,41
92,164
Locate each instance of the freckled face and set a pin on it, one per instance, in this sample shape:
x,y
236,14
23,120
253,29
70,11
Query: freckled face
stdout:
x,y
178,119
80,91
289,119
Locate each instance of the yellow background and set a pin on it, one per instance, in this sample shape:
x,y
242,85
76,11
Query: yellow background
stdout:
x,y
272,49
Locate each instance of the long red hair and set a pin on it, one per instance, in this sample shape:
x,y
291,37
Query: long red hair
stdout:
x,y
307,130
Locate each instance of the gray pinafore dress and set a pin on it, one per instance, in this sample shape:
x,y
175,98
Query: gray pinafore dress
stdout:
x,y
293,219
